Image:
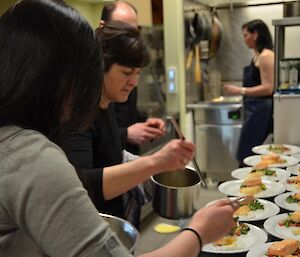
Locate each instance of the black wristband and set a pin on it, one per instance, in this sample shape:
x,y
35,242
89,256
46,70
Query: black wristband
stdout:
x,y
197,235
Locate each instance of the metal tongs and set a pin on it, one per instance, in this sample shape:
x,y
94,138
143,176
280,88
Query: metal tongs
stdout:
x,y
242,200
181,136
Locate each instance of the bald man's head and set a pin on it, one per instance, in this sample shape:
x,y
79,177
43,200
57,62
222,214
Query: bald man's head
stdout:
x,y
121,11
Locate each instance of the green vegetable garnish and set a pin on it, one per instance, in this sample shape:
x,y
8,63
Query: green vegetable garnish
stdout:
x,y
263,187
291,199
270,172
256,205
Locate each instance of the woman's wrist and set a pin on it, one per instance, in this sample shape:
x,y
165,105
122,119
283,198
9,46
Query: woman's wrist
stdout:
x,y
197,235
150,164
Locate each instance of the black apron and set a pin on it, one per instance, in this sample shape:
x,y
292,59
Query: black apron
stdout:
x,y
258,112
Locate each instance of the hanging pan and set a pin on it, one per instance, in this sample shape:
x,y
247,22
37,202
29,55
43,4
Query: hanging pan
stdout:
x,y
216,35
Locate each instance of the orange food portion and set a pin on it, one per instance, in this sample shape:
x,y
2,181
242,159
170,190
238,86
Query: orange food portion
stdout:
x,y
226,241
251,186
242,211
252,181
283,248
269,159
295,180
297,196
295,216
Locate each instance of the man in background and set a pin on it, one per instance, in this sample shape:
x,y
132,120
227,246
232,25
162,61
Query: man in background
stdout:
x,y
134,128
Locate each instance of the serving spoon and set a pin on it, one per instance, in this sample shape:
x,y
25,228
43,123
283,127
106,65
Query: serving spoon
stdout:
x,y
181,136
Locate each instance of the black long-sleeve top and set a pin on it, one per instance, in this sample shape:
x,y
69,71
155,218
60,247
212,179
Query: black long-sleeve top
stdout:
x,y
128,114
93,150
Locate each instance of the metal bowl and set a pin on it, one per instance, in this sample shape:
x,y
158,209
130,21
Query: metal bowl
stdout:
x,y
125,231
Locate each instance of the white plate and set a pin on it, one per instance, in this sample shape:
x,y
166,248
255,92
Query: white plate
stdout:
x,y
259,250
271,225
264,149
244,242
255,159
232,187
280,200
295,170
290,187
242,173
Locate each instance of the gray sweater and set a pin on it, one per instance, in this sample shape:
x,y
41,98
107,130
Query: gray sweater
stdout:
x,y
44,210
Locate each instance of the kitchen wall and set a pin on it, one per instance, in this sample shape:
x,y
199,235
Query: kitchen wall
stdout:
x,y
5,4
91,11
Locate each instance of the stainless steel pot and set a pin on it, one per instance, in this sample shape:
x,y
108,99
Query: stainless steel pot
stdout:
x,y
125,231
176,193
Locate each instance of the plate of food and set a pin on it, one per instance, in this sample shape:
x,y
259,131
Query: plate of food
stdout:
x,y
286,247
284,225
243,237
289,201
257,187
271,174
292,183
270,160
276,148
256,210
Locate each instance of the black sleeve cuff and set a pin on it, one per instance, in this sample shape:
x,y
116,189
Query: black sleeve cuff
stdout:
x,y
92,182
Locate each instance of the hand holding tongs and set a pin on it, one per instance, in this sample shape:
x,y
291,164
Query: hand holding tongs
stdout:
x,y
181,136
242,200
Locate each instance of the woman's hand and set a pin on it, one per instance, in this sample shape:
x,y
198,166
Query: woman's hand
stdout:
x,y
142,132
214,221
232,89
158,124
174,155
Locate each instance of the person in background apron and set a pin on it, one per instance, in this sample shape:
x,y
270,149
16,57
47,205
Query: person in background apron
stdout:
x,y
257,90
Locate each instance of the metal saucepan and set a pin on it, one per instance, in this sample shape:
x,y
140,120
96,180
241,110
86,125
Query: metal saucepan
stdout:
x,y
176,193
125,231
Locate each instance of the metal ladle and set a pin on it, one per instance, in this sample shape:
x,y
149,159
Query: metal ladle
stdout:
x,y
181,136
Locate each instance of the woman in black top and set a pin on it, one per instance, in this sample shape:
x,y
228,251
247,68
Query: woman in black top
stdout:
x,y
95,152
257,90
